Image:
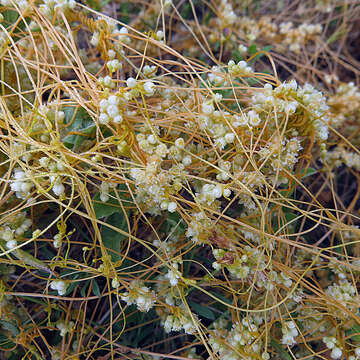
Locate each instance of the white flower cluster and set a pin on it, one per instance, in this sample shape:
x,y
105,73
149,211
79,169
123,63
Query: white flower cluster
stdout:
x,y
22,5
282,36
339,156
49,6
58,187
282,153
332,344
60,286
14,228
139,294
288,97
119,34
114,65
21,184
177,152
198,229
252,261
65,327
295,38
107,82
174,274
239,69
242,49
343,292
104,191
210,192
151,144
179,322
57,240
227,15
155,185
149,70
110,110
147,87
214,76
213,122
356,355
237,267
243,337
344,104
289,331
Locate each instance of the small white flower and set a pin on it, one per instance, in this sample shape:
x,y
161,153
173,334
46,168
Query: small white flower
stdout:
x,y
172,207
179,143
11,244
131,82
58,188
336,353
115,283
149,88
59,285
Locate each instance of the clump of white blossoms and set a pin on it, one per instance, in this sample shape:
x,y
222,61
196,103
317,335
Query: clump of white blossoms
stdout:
x,y
110,110
13,229
356,355
65,327
332,344
140,295
154,185
210,192
120,35
243,338
22,5
179,321
288,98
290,332
339,156
345,293
59,285
239,69
173,274
49,6
198,229
21,184
104,191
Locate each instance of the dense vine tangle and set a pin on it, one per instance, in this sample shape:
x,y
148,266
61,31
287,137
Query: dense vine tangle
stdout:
x,y
172,186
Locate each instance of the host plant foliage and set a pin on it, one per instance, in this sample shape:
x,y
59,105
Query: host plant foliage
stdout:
x,y
176,182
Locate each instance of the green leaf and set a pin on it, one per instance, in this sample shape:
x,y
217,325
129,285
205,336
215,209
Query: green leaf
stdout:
x,y
5,342
7,325
111,238
252,49
236,55
354,330
84,287
309,171
95,289
102,209
337,35
221,297
80,122
10,17
280,350
267,48
202,310
31,260
289,216
112,206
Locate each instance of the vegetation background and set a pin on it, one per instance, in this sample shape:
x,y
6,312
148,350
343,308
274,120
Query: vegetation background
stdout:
x,y
179,179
